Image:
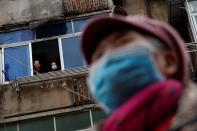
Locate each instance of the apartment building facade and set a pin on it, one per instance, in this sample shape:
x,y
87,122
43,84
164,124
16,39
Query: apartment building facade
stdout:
x,y
49,32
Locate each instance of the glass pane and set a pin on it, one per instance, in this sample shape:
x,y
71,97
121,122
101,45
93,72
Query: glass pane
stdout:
x,y
73,121
195,22
8,127
193,6
16,36
43,124
17,62
72,53
53,30
98,115
79,25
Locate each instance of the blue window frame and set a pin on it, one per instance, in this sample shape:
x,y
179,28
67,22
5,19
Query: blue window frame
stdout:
x,y
79,25
53,30
17,62
71,53
16,36
16,57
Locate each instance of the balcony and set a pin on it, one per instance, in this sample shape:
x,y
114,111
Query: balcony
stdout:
x,y
45,92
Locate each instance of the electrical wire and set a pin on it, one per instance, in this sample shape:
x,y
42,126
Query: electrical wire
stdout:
x,y
78,94
40,75
19,62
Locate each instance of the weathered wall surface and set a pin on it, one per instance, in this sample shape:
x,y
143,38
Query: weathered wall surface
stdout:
x,y
24,11
134,7
42,97
158,8
20,11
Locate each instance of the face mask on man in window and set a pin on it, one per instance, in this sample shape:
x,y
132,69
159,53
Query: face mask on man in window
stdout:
x,y
53,66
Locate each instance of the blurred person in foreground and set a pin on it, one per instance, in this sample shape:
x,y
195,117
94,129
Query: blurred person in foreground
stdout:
x,y
139,73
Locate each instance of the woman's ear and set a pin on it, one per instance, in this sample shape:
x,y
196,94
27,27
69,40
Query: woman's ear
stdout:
x,y
170,64
167,63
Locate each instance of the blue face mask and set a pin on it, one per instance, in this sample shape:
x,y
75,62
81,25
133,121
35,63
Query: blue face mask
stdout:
x,y
119,75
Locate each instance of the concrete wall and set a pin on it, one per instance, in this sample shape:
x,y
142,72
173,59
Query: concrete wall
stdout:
x,y
158,8
24,11
41,97
20,11
134,7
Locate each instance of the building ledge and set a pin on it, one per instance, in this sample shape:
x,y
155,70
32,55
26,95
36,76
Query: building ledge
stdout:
x,y
55,75
26,116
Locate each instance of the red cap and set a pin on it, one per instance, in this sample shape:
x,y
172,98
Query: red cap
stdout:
x,y
100,27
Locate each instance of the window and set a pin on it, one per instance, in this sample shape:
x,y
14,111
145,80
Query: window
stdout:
x,y
98,115
9,127
16,36
192,12
79,25
193,6
46,53
44,124
50,54
70,121
81,120
16,62
71,49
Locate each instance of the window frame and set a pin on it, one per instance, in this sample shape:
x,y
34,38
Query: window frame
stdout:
x,y
29,44
3,58
1,66
192,20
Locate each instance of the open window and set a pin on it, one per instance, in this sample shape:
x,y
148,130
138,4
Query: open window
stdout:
x,y
45,55
21,52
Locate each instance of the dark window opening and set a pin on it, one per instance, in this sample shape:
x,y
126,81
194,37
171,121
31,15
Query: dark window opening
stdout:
x,y
178,18
118,2
46,56
53,30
